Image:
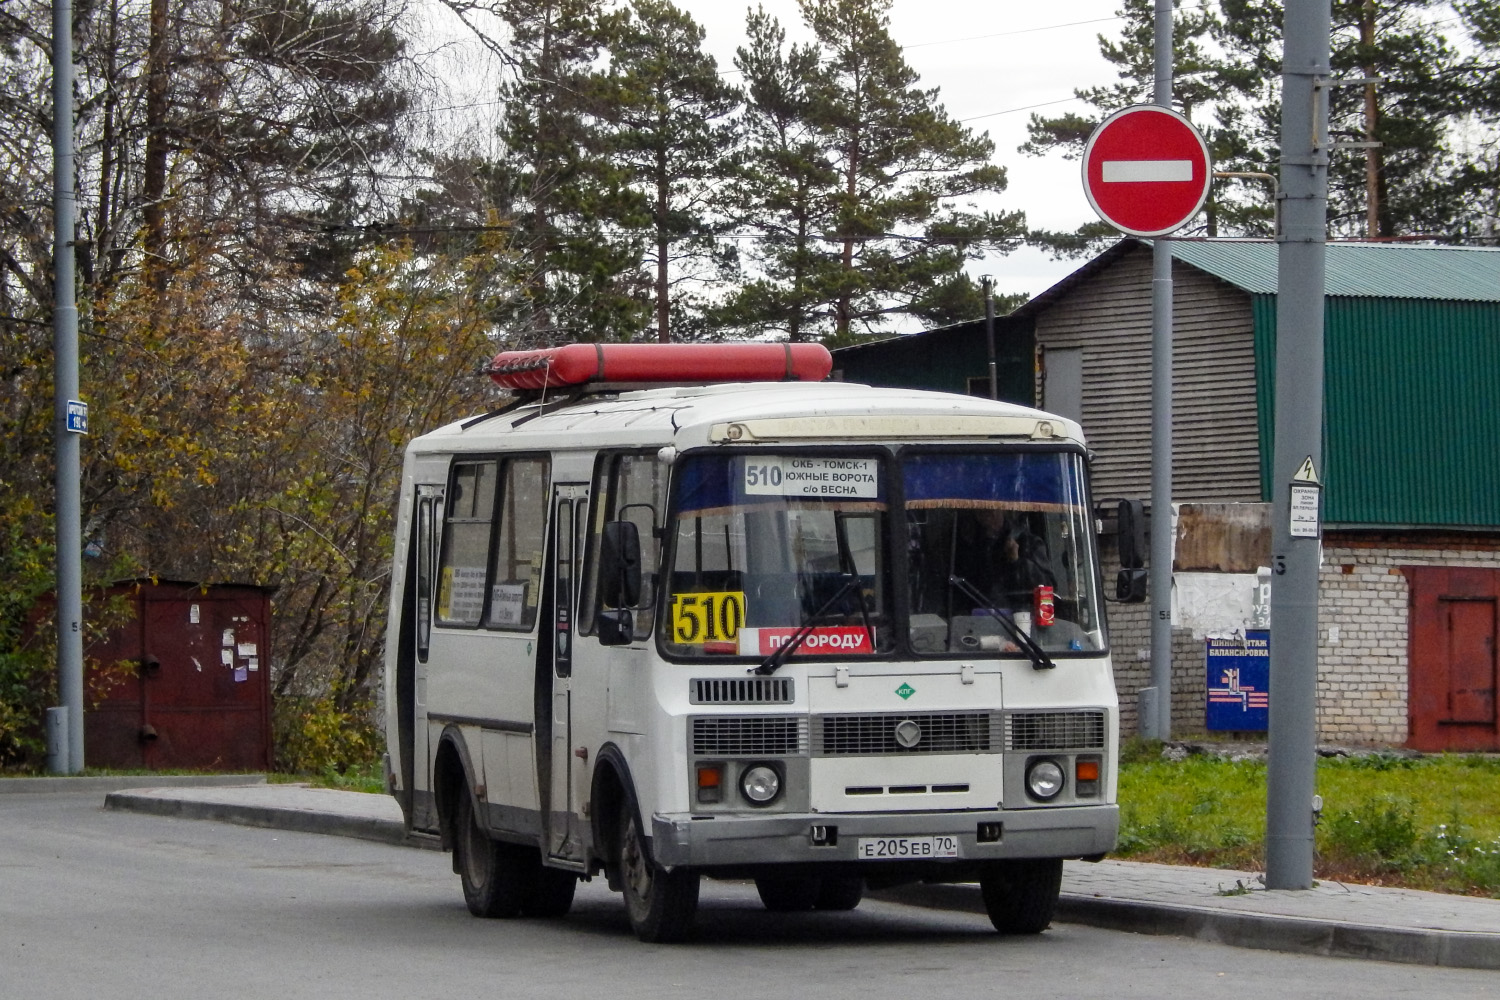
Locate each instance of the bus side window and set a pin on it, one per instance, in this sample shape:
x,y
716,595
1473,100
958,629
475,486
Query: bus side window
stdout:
x,y
516,572
630,487
466,543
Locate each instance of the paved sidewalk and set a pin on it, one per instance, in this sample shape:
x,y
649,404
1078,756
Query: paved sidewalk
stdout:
x,y
1351,921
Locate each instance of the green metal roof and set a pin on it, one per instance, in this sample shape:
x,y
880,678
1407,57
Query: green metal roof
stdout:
x,y
1367,270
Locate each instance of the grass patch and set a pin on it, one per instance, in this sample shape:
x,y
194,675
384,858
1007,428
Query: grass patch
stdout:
x,y
367,777
1425,823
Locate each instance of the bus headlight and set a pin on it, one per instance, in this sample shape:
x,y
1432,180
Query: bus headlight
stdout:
x,y
760,784
1044,779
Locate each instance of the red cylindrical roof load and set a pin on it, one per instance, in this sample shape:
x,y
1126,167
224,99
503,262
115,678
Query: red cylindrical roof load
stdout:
x,y
579,364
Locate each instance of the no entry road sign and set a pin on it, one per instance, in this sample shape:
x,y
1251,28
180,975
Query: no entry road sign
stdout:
x,y
1146,170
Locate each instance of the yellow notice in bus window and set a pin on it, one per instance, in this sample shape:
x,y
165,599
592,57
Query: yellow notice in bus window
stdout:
x,y
714,617
445,593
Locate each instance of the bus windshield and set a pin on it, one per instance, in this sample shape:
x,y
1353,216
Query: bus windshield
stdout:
x,y
994,533
765,544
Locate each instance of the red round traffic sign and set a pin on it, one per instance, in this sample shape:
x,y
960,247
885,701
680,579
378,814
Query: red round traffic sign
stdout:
x,y
1146,170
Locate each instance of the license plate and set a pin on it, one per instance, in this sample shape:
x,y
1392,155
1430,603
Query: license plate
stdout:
x,y
906,848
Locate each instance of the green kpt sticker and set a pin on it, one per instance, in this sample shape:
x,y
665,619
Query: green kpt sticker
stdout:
x,y
906,691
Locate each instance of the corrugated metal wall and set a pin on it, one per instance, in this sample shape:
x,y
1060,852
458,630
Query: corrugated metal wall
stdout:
x,y
945,360
1412,425
1216,451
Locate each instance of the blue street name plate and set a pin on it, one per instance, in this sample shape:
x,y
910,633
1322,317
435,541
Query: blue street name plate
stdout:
x,y
1239,682
78,416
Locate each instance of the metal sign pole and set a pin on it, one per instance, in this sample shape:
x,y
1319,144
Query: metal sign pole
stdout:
x,y
1158,724
1291,776
71,420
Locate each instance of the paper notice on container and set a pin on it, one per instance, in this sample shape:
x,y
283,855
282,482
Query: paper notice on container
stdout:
x,y
812,477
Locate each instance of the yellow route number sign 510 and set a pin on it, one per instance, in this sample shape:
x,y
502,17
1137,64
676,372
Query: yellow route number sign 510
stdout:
x,y
711,617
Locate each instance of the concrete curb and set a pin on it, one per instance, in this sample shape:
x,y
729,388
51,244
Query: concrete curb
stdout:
x,y
272,817
115,782
1268,932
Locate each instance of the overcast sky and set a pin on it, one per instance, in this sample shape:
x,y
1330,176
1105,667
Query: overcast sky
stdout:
x,y
990,58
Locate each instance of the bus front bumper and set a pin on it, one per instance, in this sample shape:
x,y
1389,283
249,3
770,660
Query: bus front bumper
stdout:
x,y
813,838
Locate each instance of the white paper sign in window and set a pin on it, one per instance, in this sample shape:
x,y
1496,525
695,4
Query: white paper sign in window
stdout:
x,y
508,604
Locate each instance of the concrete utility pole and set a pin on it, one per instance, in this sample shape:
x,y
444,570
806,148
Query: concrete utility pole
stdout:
x,y
1296,469
1156,700
70,418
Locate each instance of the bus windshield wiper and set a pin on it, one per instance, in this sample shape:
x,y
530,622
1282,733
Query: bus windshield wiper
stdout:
x,y
780,654
1039,658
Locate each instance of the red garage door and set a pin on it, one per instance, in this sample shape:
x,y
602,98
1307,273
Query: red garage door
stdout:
x,y
1452,659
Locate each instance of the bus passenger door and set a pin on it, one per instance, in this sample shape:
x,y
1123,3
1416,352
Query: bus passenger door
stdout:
x,y
570,501
411,680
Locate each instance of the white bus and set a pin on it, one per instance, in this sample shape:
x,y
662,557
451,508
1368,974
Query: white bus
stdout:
x,y
819,635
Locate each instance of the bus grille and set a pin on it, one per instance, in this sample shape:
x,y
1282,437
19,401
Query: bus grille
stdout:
x,y
749,736
937,732
1054,731
741,691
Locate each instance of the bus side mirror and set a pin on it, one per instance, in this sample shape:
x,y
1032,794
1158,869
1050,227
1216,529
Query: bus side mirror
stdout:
x,y
1130,521
620,565
615,627
1130,586
1130,535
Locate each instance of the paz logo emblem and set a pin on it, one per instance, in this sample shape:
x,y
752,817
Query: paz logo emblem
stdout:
x,y
905,690
908,733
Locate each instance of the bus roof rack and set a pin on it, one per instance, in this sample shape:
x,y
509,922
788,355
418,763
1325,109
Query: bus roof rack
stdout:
x,y
615,367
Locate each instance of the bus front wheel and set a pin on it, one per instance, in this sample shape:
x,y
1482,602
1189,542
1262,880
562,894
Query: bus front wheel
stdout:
x,y
1021,896
661,904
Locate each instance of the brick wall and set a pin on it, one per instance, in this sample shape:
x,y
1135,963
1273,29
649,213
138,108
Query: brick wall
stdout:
x,y
1362,677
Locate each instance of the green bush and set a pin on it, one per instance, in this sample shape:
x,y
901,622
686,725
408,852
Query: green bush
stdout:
x,y
27,687
315,736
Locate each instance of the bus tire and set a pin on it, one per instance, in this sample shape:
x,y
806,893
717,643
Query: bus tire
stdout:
x,y
661,904
493,876
789,895
840,892
551,894
1021,896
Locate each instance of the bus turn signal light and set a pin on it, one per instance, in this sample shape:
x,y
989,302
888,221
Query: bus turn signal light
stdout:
x,y
1086,776
710,783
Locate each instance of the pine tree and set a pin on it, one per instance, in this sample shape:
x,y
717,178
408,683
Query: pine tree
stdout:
x,y
672,135
1403,187
557,185
866,221
785,192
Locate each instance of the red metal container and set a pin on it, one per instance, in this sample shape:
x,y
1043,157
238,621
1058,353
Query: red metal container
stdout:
x,y
184,681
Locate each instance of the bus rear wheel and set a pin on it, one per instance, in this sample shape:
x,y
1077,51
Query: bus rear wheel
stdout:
x,y
1021,896
494,876
840,892
789,895
661,904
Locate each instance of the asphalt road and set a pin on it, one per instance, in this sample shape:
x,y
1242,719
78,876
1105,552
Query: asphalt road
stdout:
x,y
124,905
